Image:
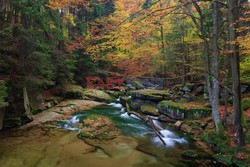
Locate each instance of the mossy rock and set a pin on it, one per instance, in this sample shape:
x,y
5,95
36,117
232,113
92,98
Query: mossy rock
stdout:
x,y
119,93
149,109
171,109
97,95
127,108
124,100
245,103
73,91
197,113
189,86
180,111
135,104
151,94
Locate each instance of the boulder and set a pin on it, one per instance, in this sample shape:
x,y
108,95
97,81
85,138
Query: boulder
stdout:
x,y
177,124
149,109
151,94
186,89
197,113
118,93
135,104
180,111
185,128
199,90
124,100
97,95
205,96
171,109
187,97
72,91
165,118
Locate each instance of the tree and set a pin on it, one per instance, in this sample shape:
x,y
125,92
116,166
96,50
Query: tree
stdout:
x,y
233,16
214,85
211,62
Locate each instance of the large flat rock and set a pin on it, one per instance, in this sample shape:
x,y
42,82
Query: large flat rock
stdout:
x,y
151,94
180,111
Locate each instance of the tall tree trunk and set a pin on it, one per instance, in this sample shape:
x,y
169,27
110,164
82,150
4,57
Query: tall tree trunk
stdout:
x,y
215,88
184,57
212,85
163,47
61,42
233,16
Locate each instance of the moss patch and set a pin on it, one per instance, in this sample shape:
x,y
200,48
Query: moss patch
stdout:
x,y
183,110
124,100
149,109
97,95
73,91
220,141
245,103
98,127
151,94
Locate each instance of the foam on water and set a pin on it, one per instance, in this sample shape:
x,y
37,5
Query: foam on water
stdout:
x,y
74,119
118,99
123,109
169,137
125,115
134,116
170,142
69,125
117,105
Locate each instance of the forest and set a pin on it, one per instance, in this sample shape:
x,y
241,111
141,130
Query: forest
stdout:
x,y
117,83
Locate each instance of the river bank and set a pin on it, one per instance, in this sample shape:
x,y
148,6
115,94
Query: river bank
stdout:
x,y
192,119
47,145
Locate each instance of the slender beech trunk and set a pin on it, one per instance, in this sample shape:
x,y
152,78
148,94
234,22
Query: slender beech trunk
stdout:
x,y
226,82
233,16
215,88
211,63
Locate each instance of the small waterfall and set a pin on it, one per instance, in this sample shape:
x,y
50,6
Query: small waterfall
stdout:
x,y
117,105
74,119
118,99
70,124
125,115
169,137
123,109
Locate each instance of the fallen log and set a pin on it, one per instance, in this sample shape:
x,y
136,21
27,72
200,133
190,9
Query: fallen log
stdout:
x,y
150,122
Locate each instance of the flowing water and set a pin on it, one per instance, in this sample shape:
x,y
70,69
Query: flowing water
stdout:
x,y
136,147
129,125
